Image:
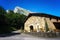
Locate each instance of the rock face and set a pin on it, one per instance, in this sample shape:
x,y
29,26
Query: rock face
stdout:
x,y
21,10
36,24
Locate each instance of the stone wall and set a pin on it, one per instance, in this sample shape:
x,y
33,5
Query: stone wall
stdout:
x,y
58,20
50,24
44,34
53,20
38,23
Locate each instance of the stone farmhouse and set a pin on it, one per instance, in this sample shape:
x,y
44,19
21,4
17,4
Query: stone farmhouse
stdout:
x,y
36,22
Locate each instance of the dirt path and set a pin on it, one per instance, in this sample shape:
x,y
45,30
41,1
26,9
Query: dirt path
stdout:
x,y
25,37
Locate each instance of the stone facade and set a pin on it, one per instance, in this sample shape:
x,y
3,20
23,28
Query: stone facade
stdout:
x,y
38,24
53,20
58,20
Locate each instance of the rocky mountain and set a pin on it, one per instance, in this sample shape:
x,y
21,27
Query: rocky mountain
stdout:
x,y
21,10
7,11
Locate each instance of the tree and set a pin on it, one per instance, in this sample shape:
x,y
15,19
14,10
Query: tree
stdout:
x,y
15,20
2,20
10,20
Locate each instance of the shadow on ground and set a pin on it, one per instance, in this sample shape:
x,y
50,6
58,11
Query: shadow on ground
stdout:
x,y
9,34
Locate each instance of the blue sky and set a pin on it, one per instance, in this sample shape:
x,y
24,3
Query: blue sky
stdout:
x,y
46,6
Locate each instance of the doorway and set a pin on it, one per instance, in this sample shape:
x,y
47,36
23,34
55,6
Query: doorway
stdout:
x,y
31,28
